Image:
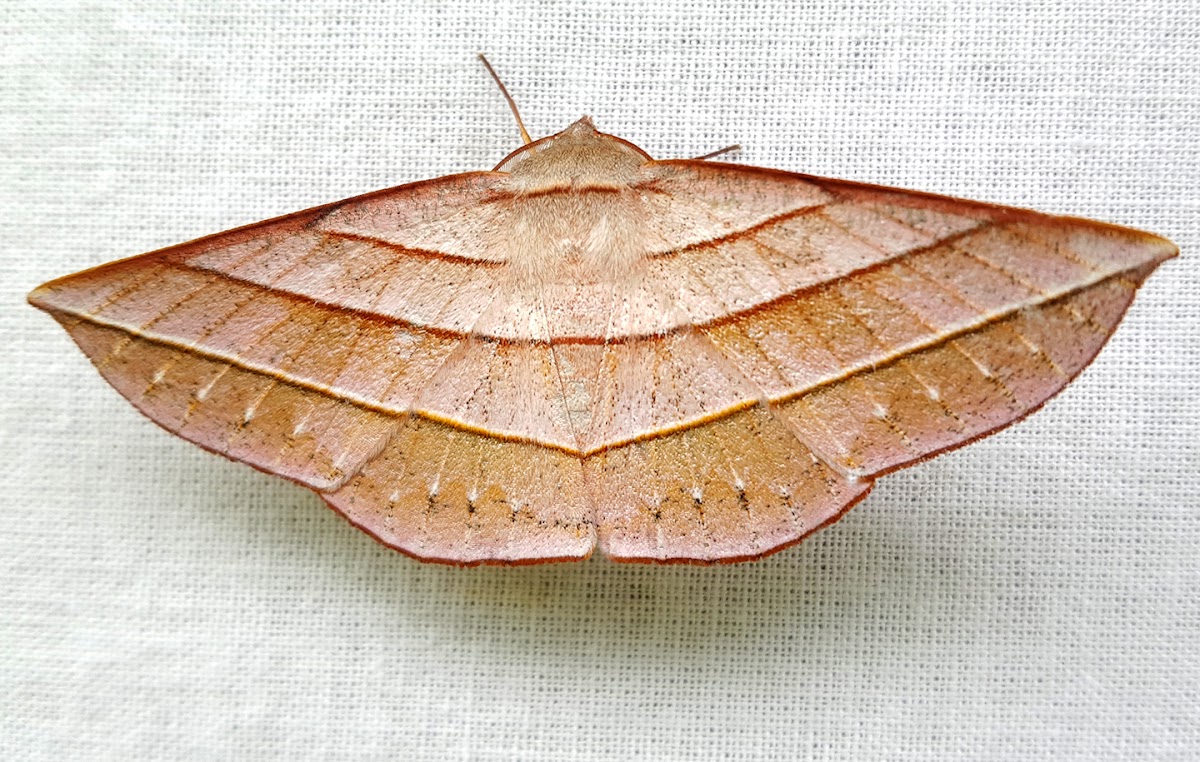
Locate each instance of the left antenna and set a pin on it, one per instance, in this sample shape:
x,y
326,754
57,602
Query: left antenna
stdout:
x,y
511,103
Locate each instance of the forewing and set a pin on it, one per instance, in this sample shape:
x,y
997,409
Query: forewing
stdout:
x,y
856,330
911,323
313,345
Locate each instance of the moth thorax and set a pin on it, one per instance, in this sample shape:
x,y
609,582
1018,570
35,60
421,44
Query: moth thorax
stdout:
x,y
574,236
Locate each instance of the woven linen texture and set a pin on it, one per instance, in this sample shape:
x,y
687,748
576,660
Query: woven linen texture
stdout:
x,y
1034,596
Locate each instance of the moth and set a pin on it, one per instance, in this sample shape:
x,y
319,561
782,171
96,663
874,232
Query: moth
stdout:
x,y
677,361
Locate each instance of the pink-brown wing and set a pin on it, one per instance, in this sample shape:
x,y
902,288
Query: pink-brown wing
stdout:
x,y
334,347
787,340
853,336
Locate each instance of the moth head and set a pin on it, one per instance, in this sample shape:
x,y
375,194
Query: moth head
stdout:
x,y
579,157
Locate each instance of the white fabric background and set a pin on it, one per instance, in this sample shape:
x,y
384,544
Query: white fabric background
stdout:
x,y
1035,596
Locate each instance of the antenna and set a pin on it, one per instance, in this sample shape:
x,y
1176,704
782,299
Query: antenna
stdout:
x,y
725,150
511,103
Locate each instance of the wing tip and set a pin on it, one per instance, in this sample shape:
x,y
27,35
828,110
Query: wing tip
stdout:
x,y
42,297
1169,249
